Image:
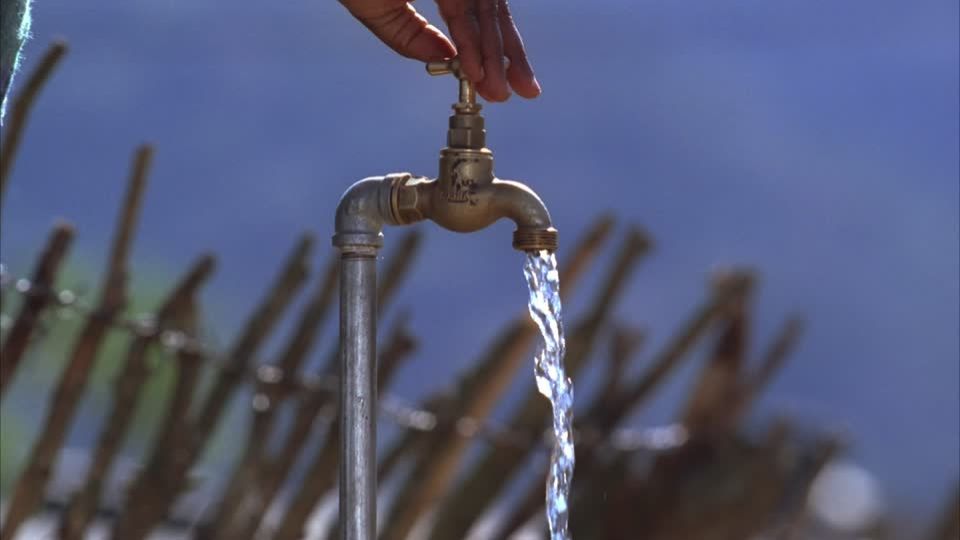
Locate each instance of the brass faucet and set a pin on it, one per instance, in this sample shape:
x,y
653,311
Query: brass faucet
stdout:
x,y
466,196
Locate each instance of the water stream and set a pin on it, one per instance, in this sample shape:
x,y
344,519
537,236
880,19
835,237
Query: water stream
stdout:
x,y
543,279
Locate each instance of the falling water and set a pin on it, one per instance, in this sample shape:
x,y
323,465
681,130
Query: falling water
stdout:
x,y
543,279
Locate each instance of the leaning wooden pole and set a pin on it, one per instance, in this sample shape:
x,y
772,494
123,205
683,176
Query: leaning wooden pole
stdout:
x,y
29,490
285,368
322,472
127,390
155,489
20,111
272,471
40,295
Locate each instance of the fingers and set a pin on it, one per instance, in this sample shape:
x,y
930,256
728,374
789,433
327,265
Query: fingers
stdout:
x,y
460,17
520,74
494,84
405,31
483,32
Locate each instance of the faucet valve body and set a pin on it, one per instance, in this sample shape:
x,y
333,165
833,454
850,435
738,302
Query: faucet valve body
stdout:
x,y
471,208
466,128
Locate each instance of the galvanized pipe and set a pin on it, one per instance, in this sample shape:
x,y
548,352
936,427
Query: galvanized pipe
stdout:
x,y
360,217
358,393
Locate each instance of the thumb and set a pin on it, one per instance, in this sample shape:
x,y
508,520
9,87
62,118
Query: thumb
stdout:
x,y
406,32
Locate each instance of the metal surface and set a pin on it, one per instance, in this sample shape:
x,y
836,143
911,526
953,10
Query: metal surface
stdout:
x,y
453,206
362,211
358,395
468,94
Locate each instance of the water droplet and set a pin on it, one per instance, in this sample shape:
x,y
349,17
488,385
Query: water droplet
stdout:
x,y
269,374
145,324
260,403
422,420
467,427
173,339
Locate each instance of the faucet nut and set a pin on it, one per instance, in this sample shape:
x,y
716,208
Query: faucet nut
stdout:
x,y
406,205
534,240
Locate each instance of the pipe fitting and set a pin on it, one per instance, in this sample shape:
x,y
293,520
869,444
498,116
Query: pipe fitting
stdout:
x,y
361,214
531,240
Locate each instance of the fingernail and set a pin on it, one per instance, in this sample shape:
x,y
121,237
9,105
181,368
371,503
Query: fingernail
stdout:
x,y
537,84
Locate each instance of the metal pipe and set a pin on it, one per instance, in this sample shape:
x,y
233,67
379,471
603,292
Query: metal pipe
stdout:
x,y
358,394
360,216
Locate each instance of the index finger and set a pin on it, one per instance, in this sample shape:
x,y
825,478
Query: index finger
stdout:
x,y
460,16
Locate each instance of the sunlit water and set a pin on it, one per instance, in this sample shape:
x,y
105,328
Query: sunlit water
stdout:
x,y
543,279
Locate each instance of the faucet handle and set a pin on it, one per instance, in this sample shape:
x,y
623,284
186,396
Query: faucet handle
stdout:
x,y
467,102
452,65
468,94
443,67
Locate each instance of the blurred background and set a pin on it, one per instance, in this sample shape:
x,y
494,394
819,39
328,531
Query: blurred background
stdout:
x,y
814,142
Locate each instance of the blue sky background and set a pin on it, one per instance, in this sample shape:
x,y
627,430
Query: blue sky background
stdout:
x,y
817,142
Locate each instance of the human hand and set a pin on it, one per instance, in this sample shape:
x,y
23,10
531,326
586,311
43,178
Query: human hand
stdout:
x,y
483,33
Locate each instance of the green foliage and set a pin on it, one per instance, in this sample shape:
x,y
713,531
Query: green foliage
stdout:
x,y
12,450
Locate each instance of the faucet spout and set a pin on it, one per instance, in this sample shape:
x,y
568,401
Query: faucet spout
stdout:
x,y
520,204
460,203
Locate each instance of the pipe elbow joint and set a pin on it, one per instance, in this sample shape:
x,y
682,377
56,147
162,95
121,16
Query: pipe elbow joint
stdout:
x,y
363,210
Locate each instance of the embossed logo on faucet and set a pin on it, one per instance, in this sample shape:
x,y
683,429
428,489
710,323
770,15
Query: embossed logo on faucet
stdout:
x,y
462,186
